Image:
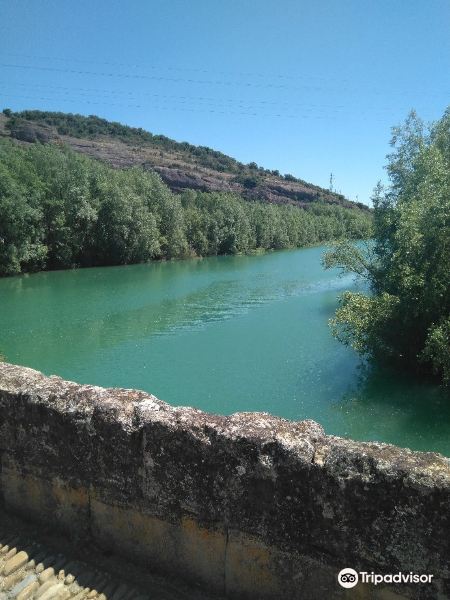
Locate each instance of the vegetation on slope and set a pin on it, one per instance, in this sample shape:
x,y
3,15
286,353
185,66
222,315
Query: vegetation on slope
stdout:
x,y
407,319
60,209
180,164
93,126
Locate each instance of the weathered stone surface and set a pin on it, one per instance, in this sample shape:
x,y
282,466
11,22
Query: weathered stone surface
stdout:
x,y
28,591
29,579
16,562
229,501
32,132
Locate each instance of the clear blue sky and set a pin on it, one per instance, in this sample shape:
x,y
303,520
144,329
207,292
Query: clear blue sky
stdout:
x,y
306,87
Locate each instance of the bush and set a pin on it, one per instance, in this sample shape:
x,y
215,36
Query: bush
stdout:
x,y
60,209
407,318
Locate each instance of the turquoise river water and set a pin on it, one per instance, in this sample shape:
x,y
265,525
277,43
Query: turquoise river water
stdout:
x,y
223,334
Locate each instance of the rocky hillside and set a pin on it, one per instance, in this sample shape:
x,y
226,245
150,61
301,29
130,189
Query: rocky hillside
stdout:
x,y
181,165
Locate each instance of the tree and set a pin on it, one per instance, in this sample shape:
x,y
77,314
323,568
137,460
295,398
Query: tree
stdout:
x,y
60,209
127,231
21,233
406,320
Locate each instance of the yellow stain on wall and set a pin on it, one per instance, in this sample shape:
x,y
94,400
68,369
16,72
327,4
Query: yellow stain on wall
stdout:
x,y
235,563
251,567
46,500
197,553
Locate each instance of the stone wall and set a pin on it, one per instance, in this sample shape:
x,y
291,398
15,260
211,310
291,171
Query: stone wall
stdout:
x,y
250,505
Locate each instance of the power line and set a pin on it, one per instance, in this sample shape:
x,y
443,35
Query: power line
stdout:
x,y
64,100
169,68
206,99
157,107
75,94
89,92
183,99
343,83
147,77
167,107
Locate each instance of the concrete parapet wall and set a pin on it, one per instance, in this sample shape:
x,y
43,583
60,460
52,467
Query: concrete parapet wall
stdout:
x,y
250,505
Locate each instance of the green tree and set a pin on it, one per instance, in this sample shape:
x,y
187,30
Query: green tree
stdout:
x,y
21,234
60,209
406,319
126,229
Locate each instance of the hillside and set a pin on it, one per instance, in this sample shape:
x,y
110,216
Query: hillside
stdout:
x,y
181,165
147,198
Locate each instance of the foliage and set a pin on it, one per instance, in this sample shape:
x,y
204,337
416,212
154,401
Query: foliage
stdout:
x,y
60,209
407,319
33,125
93,126
249,181
437,348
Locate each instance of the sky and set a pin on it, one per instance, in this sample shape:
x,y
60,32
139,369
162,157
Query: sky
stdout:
x,y
306,87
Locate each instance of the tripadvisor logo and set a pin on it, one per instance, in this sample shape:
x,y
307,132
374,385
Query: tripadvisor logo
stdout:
x,y
348,578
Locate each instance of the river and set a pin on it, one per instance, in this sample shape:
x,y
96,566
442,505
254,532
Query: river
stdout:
x,y
224,334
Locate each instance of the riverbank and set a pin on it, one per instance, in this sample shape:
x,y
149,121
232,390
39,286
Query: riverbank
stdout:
x,y
61,209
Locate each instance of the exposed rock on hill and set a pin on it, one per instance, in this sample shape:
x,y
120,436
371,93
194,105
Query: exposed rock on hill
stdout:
x,y
181,165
